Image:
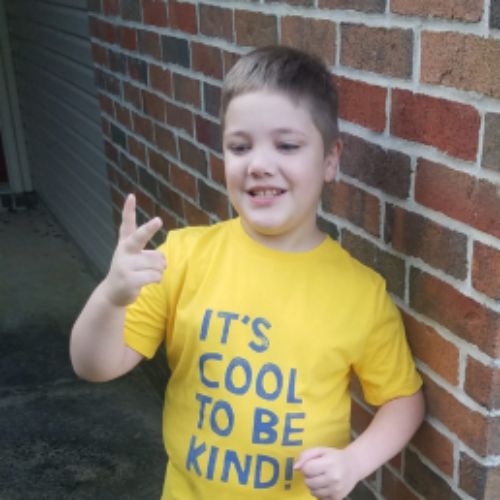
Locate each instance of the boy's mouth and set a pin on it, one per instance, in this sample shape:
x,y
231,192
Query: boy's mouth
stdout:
x,y
265,192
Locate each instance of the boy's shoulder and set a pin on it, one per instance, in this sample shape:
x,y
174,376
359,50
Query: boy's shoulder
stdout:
x,y
350,268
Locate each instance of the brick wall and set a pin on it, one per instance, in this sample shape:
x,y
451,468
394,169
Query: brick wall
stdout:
x,y
417,196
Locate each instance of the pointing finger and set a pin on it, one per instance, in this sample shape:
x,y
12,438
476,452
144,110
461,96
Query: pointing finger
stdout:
x,y
140,238
129,224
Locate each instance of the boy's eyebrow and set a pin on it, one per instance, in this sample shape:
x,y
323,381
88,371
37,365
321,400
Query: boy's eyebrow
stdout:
x,y
283,130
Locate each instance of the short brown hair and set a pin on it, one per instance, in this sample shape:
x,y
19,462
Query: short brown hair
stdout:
x,y
300,75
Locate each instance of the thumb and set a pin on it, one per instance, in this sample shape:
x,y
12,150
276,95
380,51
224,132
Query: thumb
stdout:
x,y
307,455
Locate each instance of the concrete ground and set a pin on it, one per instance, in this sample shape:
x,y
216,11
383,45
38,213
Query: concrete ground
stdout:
x,y
62,438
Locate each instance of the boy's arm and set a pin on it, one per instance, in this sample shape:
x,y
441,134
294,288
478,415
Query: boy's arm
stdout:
x,y
331,473
97,348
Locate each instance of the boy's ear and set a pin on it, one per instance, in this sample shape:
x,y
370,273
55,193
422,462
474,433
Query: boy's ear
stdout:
x,y
332,160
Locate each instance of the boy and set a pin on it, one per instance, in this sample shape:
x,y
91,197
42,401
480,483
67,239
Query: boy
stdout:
x,y
263,315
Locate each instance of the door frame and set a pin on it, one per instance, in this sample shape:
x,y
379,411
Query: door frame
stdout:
x,y
18,172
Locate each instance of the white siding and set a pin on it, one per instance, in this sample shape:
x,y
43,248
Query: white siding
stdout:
x,y
53,67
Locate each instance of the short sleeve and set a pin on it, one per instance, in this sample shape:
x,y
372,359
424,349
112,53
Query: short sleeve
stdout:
x,y
146,318
386,369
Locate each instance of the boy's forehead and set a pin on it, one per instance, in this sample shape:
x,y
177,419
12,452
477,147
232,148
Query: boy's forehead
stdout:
x,y
267,105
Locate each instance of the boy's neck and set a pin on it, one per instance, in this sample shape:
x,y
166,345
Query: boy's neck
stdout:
x,y
286,242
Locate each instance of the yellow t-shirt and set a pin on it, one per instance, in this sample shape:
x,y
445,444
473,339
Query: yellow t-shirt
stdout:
x,y
260,344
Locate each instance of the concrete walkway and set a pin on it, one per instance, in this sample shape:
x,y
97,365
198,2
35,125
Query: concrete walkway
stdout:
x,y
62,438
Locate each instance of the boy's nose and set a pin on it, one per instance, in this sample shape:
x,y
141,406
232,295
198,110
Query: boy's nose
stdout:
x,y
260,165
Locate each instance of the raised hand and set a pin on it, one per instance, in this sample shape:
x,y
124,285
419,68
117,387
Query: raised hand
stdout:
x,y
329,473
132,265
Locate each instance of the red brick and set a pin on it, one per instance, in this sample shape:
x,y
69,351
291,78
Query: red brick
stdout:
x,y
425,481
145,203
155,12
193,156
465,317
129,167
169,222
154,106
183,180
216,21
187,90
316,36
132,95
217,170
418,236
370,6
103,30
182,16
122,115
165,140
108,32
473,477
491,144
392,268
475,202
383,169
209,133
100,54
486,270
229,60
180,117
111,7
127,37
255,29
142,126
478,431
492,483
130,10
354,204
440,355
207,60
362,103
138,69
462,10
106,104
213,201
482,383
194,215
436,447
393,488
170,199
160,79
158,164
111,151
117,62
149,43
380,50
465,62
449,126
360,417
137,149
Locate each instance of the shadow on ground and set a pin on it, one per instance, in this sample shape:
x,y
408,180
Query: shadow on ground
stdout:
x,y
63,438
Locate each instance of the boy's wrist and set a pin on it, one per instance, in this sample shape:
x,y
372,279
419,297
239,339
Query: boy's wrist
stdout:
x,y
106,295
359,459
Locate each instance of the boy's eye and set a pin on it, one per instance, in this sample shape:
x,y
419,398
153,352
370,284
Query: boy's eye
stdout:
x,y
287,147
238,148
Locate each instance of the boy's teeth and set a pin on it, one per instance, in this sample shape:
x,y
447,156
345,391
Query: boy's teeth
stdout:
x,y
267,193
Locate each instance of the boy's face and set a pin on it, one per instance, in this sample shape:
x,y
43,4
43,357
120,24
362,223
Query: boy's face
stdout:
x,y
275,168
